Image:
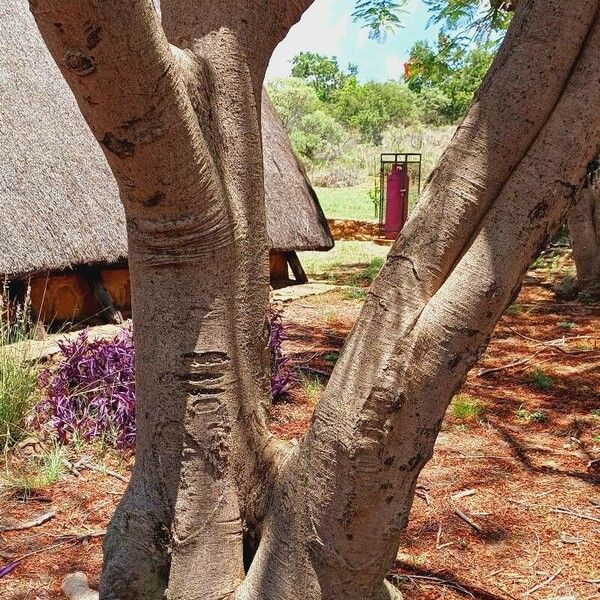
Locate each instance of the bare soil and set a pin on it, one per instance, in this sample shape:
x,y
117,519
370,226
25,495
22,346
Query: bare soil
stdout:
x,y
509,507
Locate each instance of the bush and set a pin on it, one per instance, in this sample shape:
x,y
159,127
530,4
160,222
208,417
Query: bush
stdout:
x,y
338,175
293,99
319,137
18,375
90,394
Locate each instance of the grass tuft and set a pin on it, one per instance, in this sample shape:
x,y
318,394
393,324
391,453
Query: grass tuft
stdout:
x,y
541,380
312,387
40,472
514,310
537,416
18,376
466,408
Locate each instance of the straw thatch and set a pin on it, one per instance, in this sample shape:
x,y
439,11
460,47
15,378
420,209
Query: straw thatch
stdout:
x,y
59,206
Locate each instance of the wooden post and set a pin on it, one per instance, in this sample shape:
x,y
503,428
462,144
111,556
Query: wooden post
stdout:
x,y
103,297
296,266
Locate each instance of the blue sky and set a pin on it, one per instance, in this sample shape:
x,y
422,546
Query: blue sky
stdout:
x,y
327,28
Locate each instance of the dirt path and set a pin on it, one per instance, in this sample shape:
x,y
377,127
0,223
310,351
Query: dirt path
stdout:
x,y
507,508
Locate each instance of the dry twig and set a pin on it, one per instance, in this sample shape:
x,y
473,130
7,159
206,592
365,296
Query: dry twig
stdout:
x,y
573,513
544,583
468,520
86,463
29,524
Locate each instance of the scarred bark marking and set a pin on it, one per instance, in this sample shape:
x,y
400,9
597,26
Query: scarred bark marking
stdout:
x,y
79,62
120,147
154,199
93,37
204,384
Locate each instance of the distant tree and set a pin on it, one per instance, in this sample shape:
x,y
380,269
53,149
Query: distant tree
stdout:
x,y
322,72
293,99
318,138
371,107
447,77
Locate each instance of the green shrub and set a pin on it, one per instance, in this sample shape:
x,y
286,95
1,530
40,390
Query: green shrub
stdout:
x,y
466,408
537,416
18,376
541,380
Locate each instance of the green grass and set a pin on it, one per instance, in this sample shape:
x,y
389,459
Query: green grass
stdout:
x,y
514,310
354,293
537,416
343,258
369,273
312,387
18,377
541,380
347,203
466,408
41,472
332,357
568,325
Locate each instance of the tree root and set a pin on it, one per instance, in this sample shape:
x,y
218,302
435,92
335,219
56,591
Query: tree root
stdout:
x,y
75,587
389,592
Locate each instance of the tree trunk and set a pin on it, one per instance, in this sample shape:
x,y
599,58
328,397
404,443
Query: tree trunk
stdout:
x,y
584,227
182,136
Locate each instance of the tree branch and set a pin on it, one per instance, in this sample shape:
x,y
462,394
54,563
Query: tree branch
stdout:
x,y
125,77
257,25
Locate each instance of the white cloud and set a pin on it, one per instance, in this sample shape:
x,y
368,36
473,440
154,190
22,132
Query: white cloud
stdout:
x,y
394,66
322,29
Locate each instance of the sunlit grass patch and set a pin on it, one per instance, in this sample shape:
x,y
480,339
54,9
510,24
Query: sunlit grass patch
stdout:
x,y
38,473
311,386
466,408
18,373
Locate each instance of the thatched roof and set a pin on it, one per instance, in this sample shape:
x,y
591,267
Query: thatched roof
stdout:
x,y
59,205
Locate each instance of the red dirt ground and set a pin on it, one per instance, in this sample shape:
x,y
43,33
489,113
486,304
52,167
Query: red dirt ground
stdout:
x,y
533,503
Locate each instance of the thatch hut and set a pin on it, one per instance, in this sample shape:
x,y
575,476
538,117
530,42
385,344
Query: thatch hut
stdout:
x,y
61,222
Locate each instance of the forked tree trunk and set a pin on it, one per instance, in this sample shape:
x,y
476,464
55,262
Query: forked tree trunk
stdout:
x,y
180,129
584,227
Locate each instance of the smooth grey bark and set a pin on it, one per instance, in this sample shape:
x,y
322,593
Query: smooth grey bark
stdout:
x,y
180,128
584,227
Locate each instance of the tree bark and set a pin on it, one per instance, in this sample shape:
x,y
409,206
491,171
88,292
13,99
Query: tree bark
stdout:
x,y
180,128
584,227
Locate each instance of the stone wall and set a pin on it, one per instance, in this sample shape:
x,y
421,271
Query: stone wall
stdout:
x,y
346,229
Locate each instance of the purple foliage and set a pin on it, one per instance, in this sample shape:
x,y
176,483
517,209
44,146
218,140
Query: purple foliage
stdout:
x,y
6,569
282,374
91,392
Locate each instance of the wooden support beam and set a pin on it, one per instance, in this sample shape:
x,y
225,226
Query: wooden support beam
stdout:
x,y
296,266
108,311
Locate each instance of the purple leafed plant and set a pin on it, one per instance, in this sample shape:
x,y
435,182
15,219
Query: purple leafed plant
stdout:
x,y
91,391
282,373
